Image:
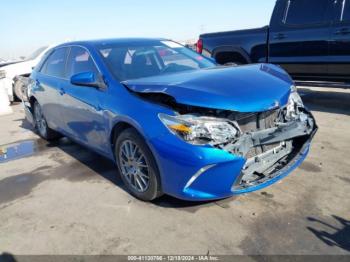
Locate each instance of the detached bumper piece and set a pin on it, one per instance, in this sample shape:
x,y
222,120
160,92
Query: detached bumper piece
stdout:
x,y
273,152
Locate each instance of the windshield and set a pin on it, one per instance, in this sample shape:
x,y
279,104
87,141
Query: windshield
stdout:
x,y
36,53
151,58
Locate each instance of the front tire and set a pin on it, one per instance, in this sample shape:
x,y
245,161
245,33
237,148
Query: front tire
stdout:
x,y
41,125
137,166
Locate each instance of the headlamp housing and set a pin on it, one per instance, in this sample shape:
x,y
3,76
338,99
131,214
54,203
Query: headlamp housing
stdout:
x,y
200,130
294,103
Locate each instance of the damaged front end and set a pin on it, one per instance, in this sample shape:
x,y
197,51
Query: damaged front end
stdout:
x,y
269,141
272,148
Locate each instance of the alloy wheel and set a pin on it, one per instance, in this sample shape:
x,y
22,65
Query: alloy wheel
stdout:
x,y
134,166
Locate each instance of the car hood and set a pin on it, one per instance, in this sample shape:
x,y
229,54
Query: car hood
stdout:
x,y
20,68
251,88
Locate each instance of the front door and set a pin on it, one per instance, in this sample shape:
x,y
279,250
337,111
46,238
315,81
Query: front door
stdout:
x,y
299,37
83,114
340,42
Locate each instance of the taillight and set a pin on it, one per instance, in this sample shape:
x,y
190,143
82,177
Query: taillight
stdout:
x,y
199,47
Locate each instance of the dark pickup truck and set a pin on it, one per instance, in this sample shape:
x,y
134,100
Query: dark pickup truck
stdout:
x,y
308,38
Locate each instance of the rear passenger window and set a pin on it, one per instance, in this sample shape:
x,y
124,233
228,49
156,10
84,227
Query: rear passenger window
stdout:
x,y
55,64
306,12
80,61
345,16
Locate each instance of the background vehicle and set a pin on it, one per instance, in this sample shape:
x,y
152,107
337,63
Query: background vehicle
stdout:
x,y
5,63
310,39
9,72
172,120
20,86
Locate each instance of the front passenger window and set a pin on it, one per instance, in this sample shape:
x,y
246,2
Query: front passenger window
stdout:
x,y
80,61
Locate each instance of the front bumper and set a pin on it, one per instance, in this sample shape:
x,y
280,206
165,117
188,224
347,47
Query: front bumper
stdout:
x,y
208,173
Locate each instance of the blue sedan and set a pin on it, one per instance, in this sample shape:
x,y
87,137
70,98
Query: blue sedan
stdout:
x,y
172,120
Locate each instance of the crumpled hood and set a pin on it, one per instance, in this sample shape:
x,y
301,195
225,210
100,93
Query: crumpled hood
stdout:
x,y
251,88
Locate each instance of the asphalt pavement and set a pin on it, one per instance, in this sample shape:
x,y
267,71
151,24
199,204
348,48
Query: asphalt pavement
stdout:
x,y
61,198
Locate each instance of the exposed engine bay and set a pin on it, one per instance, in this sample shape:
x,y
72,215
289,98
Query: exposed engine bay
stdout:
x,y
268,140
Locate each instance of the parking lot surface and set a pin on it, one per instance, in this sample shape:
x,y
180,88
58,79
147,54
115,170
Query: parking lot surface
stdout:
x,y
60,198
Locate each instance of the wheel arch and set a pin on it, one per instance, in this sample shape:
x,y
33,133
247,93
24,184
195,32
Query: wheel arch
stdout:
x,y
31,101
224,53
122,125
119,126
24,75
117,129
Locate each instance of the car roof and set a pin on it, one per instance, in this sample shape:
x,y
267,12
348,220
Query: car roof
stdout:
x,y
112,41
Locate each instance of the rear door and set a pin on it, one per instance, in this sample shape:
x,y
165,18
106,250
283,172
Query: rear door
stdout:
x,y
49,85
299,37
340,42
83,114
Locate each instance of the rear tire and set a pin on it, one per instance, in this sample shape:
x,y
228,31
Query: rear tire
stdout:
x,y
17,90
41,125
137,166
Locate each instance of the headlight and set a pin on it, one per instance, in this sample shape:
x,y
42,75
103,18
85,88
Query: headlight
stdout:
x,y
2,74
294,103
201,130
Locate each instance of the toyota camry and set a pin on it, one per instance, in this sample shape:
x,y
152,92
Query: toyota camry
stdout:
x,y
172,120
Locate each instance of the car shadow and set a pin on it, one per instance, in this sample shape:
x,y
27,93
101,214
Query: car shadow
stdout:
x,y
334,235
25,124
193,206
86,157
336,102
107,169
167,201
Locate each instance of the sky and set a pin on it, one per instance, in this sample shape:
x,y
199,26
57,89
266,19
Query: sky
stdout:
x,y
27,25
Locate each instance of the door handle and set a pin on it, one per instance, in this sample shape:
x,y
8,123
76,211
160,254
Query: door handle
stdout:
x,y
342,31
62,91
37,82
280,36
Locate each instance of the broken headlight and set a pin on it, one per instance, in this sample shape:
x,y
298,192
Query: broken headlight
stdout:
x,y
201,130
294,103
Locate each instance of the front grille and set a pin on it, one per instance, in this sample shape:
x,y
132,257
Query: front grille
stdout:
x,y
258,150
298,148
258,121
255,151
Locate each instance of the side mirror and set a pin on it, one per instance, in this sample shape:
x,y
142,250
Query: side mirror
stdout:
x,y
87,79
